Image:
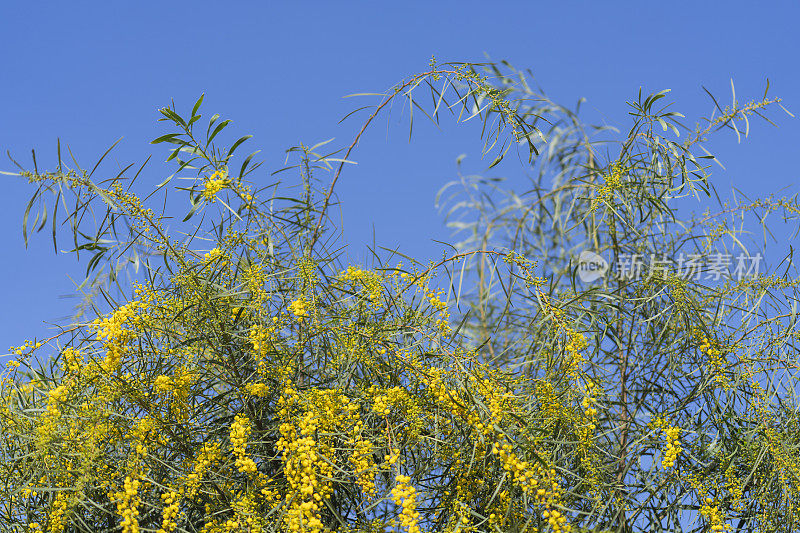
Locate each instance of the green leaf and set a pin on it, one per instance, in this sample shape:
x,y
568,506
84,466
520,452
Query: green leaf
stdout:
x,y
236,145
192,211
323,143
165,138
197,106
174,154
173,116
194,150
55,213
104,156
218,129
95,261
25,219
169,178
246,162
363,94
211,122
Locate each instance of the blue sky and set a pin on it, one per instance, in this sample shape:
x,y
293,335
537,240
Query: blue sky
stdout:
x,y
90,73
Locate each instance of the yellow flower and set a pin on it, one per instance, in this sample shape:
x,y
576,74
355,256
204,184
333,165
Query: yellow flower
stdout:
x,y
215,183
299,308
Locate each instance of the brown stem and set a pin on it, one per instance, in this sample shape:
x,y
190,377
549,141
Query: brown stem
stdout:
x,y
622,361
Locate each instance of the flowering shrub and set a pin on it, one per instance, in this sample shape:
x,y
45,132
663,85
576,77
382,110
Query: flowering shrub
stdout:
x,y
250,381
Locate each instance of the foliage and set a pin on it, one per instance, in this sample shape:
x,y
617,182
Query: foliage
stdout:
x,y
247,379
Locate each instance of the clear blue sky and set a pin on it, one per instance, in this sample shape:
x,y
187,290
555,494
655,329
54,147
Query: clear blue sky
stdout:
x,y
90,73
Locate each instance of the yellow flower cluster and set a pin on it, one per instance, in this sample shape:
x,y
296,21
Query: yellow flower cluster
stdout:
x,y
307,270
209,454
575,341
383,402
556,520
435,301
575,344
673,446
613,182
405,496
143,220
212,254
172,503
260,337
535,480
520,470
58,512
368,279
73,360
163,384
362,461
179,387
54,398
735,487
671,434
257,389
499,103
590,400
526,266
254,279
112,329
29,345
440,307
240,431
141,433
309,452
239,312
716,359
300,458
215,183
589,458
128,505
299,308
246,519
713,516
48,429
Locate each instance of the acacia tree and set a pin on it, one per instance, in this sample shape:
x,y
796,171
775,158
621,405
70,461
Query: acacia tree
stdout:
x,y
244,378
694,349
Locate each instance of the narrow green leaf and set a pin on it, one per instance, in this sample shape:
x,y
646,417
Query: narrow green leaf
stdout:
x,y
55,213
174,154
169,178
104,156
25,218
323,143
211,122
236,145
164,138
218,129
246,162
192,211
363,94
197,106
